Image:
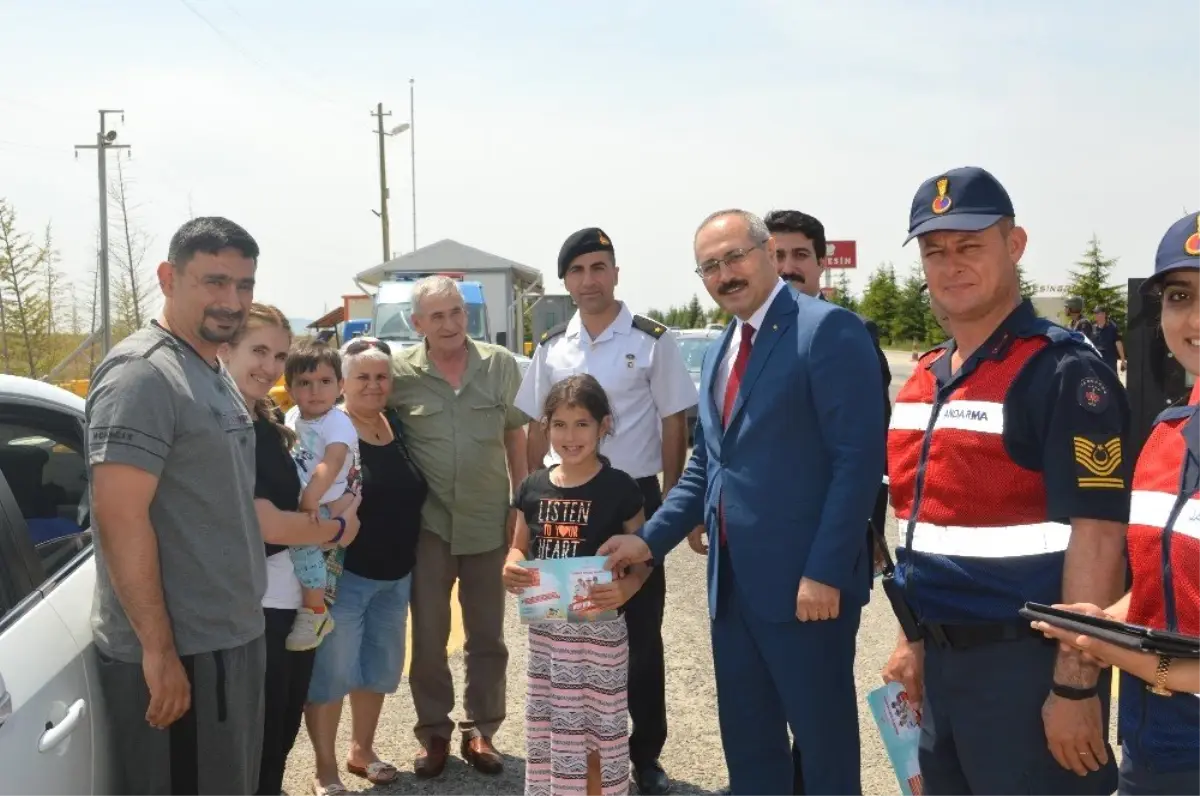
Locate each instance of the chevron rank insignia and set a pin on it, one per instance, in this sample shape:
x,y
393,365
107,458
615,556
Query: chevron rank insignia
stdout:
x,y
1098,462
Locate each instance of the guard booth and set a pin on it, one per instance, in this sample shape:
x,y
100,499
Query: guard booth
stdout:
x,y
1155,380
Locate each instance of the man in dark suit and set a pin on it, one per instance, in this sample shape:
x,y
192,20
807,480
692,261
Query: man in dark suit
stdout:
x,y
789,450
800,260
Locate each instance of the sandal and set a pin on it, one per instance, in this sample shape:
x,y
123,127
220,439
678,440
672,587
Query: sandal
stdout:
x,y
336,789
376,772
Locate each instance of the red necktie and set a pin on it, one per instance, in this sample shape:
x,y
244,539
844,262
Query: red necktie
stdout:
x,y
731,391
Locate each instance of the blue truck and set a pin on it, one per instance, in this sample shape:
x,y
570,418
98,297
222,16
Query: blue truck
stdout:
x,y
392,310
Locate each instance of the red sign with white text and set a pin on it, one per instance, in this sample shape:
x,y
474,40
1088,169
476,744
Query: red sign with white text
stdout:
x,y
841,254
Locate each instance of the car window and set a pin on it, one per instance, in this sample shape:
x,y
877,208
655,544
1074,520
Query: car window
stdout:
x,y
45,469
693,349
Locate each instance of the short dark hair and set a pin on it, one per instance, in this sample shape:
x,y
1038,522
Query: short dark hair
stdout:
x,y
795,221
209,235
307,357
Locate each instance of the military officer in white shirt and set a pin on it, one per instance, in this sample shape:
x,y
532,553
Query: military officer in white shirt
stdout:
x,y
639,364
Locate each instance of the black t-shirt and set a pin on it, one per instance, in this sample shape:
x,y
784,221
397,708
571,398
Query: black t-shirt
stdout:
x,y
275,476
389,517
569,522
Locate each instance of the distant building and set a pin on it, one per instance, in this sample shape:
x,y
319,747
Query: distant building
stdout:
x,y
549,311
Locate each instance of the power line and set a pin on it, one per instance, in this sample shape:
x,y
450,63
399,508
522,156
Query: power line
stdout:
x,y
249,56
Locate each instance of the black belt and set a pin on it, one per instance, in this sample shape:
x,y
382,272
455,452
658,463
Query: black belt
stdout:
x,y
961,637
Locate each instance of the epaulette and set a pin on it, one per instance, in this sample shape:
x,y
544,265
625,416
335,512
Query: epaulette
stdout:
x,y
1175,413
1060,335
553,331
649,326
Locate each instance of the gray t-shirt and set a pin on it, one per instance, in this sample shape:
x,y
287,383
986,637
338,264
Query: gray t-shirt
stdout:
x,y
157,405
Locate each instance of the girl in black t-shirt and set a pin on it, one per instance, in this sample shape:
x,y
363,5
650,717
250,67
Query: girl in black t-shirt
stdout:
x,y
577,673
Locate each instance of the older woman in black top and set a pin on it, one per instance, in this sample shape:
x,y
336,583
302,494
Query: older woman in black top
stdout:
x,y
364,655
255,360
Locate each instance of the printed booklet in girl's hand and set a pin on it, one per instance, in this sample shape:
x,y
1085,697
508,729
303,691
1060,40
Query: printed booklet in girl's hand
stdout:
x,y
560,590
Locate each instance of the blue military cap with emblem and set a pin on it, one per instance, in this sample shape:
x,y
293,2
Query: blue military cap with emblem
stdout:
x,y
967,199
1179,248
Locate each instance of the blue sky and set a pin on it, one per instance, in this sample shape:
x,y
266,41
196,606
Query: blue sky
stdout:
x,y
534,119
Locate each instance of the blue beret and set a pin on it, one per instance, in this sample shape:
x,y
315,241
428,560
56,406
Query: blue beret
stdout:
x,y
962,200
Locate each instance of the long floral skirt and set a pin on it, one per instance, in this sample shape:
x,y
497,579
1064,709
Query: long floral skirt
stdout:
x,y
576,703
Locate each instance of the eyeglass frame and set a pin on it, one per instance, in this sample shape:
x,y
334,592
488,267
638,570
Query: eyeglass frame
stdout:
x,y
731,260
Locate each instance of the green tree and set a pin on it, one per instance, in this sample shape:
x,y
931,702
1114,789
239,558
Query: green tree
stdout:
x,y
1090,281
695,313
1028,288
24,308
910,321
879,300
843,296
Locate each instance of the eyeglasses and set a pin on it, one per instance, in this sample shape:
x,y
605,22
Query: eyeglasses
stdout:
x,y
709,269
360,344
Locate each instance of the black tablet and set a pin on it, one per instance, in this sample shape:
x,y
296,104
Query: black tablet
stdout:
x,y
1133,637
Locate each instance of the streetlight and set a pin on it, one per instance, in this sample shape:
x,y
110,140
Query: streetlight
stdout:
x,y
383,190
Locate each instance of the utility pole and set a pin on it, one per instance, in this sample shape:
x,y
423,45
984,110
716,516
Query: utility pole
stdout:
x,y
383,191
104,142
412,153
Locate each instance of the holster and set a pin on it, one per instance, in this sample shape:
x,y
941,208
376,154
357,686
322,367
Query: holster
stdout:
x,y
895,593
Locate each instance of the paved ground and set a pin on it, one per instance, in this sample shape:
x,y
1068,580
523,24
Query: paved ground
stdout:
x,y
693,755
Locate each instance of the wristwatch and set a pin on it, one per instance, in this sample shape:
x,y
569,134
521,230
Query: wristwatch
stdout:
x,y
341,521
1160,677
1074,694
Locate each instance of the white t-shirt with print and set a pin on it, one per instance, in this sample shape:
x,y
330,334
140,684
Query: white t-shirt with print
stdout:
x,y
314,437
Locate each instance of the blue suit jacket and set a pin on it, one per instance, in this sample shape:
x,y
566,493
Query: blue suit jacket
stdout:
x,y
799,465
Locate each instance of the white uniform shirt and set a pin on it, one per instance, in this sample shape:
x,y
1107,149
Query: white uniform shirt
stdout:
x,y
644,376
735,342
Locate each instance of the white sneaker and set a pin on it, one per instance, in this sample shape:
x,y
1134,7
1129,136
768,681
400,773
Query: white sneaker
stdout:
x,y
308,630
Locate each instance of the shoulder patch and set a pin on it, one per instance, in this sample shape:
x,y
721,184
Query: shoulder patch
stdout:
x,y
649,326
552,332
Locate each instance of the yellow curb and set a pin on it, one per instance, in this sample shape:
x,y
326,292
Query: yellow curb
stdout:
x,y
457,634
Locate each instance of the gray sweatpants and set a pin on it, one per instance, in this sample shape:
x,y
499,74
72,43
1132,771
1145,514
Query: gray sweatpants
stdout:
x,y
214,748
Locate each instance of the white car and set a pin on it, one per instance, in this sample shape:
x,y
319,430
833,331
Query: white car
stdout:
x,y
53,737
692,344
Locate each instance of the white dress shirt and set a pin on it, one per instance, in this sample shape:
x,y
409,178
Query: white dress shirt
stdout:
x,y
644,376
735,342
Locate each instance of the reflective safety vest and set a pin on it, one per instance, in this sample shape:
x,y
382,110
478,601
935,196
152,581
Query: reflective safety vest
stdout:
x,y
1164,554
976,542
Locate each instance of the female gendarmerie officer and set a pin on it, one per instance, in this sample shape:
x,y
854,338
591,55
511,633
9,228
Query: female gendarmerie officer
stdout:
x,y
1160,710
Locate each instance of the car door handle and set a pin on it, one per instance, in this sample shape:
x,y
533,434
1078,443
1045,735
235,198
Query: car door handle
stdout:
x,y
58,733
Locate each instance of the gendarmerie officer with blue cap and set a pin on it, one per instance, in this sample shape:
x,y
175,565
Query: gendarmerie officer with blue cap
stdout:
x,y
638,363
1159,718
1009,483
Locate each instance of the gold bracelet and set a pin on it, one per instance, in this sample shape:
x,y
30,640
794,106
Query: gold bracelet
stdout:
x,y
1160,677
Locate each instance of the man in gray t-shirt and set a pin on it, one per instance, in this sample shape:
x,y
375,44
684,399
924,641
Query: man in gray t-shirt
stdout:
x,y
181,570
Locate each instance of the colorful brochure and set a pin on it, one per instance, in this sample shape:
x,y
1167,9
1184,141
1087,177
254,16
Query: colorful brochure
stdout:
x,y
560,590
900,727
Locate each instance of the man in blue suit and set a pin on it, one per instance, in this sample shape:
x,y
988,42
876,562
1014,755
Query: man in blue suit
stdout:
x,y
788,454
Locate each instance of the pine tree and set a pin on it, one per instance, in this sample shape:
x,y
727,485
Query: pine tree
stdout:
x,y
842,295
1028,288
1090,281
880,299
910,323
695,313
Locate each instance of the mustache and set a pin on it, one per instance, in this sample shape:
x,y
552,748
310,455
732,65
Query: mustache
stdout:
x,y
225,315
790,276
730,286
